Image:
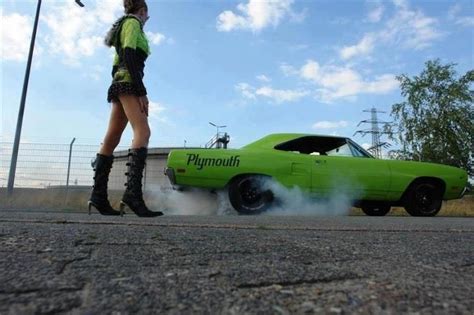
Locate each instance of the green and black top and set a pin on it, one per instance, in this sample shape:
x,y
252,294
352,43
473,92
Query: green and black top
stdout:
x,y
132,50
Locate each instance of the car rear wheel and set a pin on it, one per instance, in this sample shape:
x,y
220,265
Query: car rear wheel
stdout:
x,y
424,199
248,195
376,209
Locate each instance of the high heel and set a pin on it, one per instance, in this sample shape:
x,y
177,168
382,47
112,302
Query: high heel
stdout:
x,y
103,209
99,198
133,195
122,208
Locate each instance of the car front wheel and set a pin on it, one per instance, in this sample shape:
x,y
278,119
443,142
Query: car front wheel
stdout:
x,y
248,194
424,200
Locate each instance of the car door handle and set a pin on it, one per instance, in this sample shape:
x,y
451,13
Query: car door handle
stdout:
x,y
320,162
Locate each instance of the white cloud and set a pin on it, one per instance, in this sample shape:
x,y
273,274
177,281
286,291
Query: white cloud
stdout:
x,y
155,109
95,72
336,82
465,21
155,38
86,46
257,15
76,32
453,15
401,3
330,124
228,21
410,28
375,15
263,78
454,11
155,112
288,70
16,38
407,28
275,95
281,96
364,47
106,11
246,90
71,32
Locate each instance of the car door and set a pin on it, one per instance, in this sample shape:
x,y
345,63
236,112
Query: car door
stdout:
x,y
297,170
355,177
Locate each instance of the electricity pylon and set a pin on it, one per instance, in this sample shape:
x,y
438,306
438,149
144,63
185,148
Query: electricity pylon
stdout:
x,y
375,131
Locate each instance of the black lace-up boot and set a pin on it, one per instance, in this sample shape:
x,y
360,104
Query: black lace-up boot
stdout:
x,y
133,195
99,198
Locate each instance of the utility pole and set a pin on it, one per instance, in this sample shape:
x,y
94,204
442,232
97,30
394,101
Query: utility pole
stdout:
x,y
69,163
375,131
19,123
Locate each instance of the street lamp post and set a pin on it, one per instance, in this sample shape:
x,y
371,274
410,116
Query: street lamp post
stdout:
x,y
16,144
218,127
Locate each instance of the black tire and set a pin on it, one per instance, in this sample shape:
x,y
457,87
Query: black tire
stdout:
x,y
376,209
248,196
424,199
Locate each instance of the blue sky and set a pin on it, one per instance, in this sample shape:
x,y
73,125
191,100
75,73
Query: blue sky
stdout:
x,y
257,67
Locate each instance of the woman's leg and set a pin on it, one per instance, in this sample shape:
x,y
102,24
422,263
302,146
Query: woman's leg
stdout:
x,y
104,160
117,123
133,195
138,120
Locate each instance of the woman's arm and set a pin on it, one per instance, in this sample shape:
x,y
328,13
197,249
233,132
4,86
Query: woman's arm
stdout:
x,y
131,62
130,32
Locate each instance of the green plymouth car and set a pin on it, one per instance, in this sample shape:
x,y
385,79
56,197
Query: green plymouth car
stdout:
x,y
320,166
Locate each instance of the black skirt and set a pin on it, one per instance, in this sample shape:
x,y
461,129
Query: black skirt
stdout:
x,y
120,88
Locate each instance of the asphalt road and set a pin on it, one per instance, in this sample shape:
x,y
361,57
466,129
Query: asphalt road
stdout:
x,y
80,264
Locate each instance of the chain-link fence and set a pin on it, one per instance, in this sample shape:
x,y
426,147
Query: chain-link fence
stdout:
x,y
51,176
41,178
42,165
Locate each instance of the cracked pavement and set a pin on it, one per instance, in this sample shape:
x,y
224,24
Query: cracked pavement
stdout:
x,y
79,264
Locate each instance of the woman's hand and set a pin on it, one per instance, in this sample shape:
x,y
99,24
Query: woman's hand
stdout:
x,y
143,100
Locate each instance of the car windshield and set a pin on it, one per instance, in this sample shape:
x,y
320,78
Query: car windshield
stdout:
x,y
330,146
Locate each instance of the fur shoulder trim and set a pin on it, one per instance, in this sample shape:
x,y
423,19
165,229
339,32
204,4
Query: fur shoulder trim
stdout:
x,y
110,38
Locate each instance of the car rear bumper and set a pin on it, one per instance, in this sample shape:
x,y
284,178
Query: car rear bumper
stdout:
x,y
464,191
169,172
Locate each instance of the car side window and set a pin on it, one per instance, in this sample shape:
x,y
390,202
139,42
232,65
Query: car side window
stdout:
x,y
311,145
323,145
343,150
357,151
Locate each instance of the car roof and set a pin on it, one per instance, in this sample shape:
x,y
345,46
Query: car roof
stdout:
x,y
270,141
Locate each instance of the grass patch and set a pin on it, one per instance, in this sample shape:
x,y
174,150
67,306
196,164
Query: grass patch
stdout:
x,y
54,200
453,208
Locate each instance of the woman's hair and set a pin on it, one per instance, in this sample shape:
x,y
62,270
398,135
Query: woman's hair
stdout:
x,y
132,6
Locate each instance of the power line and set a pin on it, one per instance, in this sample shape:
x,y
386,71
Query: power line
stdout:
x,y
375,131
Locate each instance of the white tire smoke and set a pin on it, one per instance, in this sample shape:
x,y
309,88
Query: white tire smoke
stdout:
x,y
288,201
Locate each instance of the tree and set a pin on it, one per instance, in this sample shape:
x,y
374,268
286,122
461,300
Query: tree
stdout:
x,y
435,123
